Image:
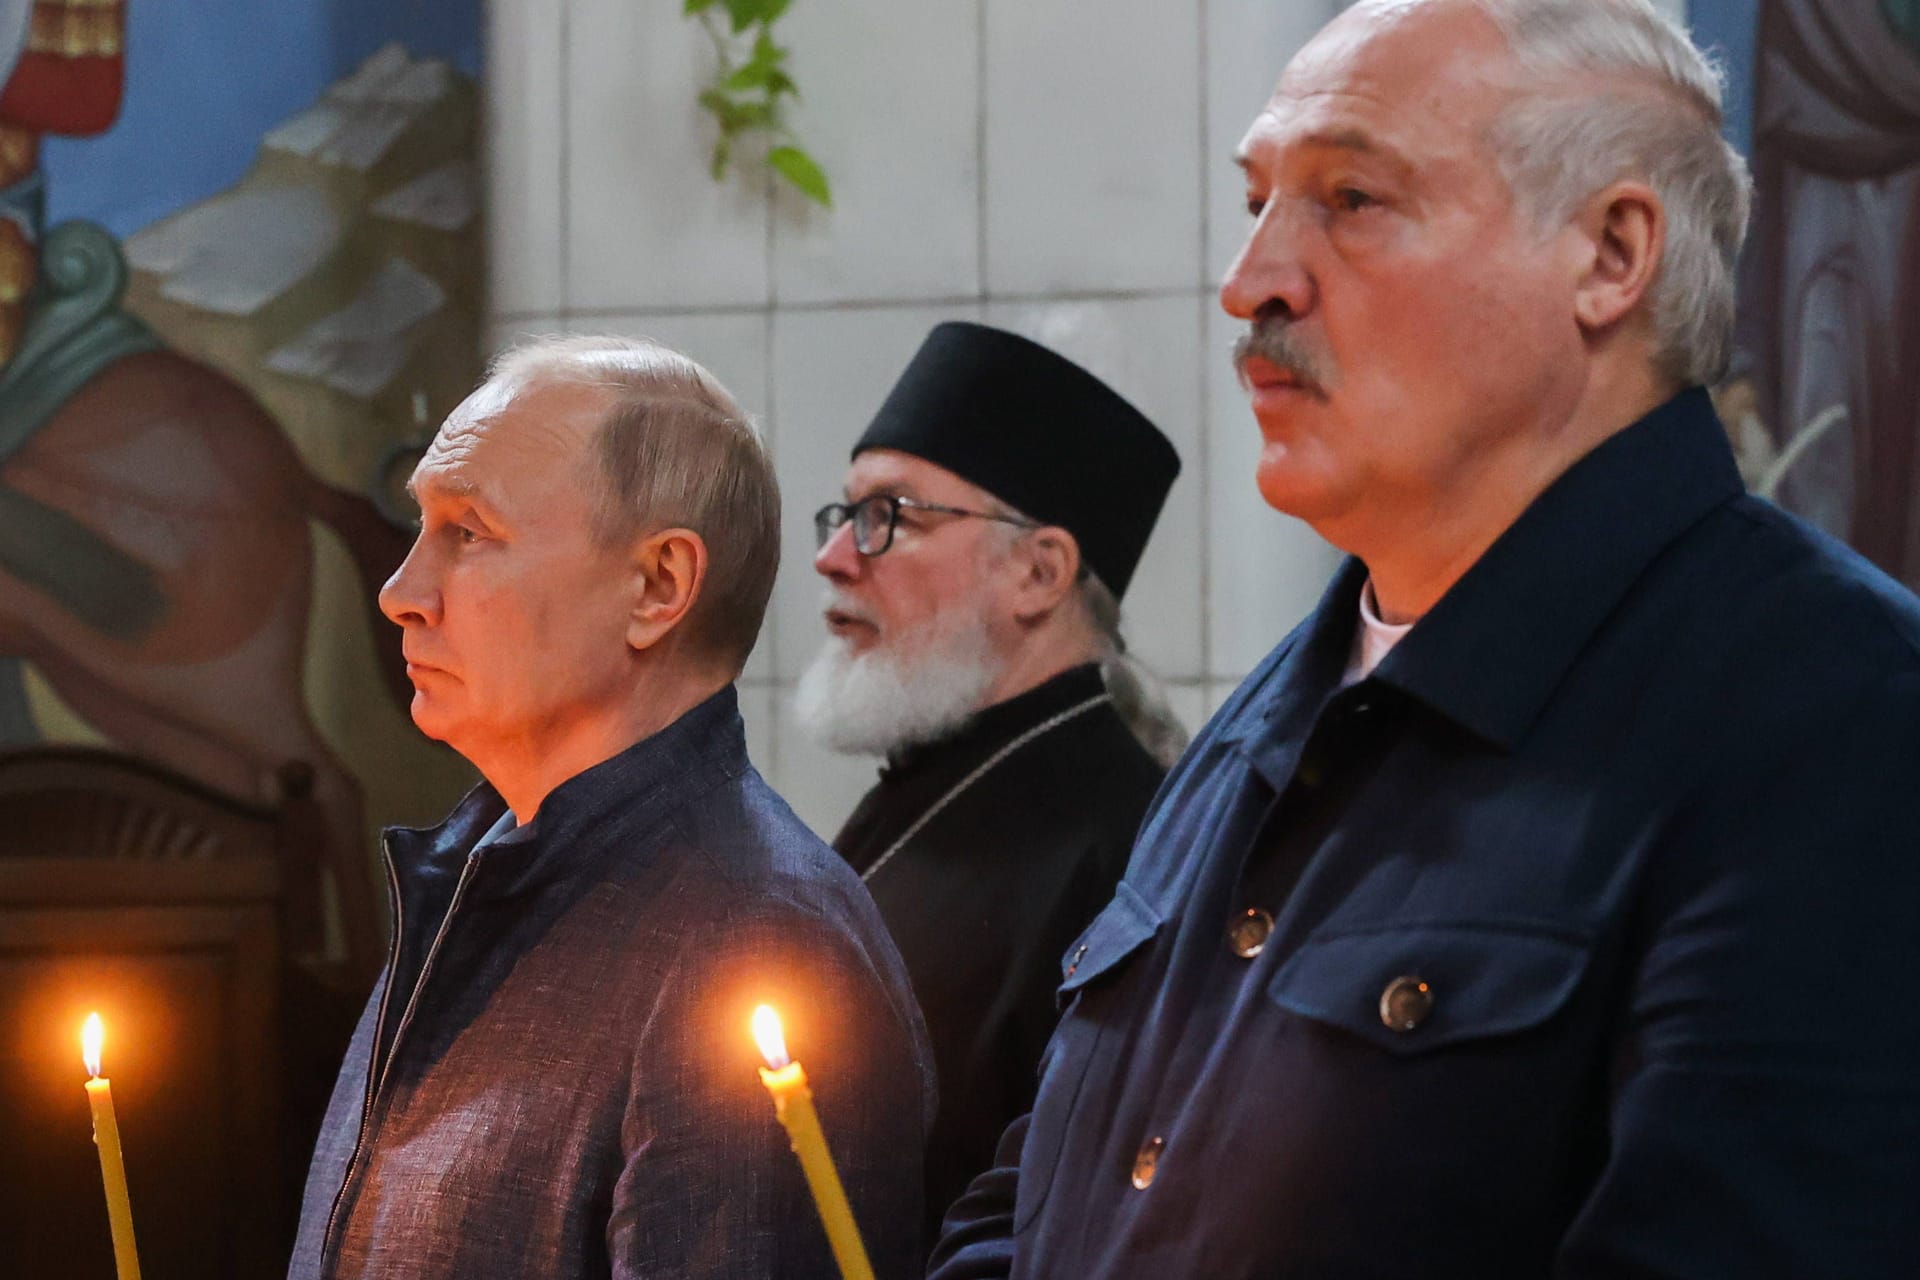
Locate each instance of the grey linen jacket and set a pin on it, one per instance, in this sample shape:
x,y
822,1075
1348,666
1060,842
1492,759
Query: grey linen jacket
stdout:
x,y
555,1076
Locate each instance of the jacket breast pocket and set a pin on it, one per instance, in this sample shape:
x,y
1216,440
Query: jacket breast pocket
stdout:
x,y
1091,965
1408,989
1121,928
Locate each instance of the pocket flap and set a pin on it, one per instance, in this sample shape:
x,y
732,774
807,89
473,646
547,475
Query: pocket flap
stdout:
x,y
1451,982
1116,933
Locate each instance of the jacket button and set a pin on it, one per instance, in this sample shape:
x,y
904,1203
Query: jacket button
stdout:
x,y
1079,954
1248,932
1147,1161
1406,1003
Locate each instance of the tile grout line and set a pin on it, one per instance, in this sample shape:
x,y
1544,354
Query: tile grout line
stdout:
x,y
771,433
980,155
770,436
565,104
1204,463
856,304
1210,671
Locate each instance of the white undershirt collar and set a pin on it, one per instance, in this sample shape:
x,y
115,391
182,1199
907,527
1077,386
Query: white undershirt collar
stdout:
x,y
1372,639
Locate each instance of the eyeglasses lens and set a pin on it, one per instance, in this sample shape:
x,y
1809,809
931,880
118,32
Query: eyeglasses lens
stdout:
x,y
826,522
872,525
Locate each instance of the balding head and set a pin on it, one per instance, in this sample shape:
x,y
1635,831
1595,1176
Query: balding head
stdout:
x,y
670,447
598,534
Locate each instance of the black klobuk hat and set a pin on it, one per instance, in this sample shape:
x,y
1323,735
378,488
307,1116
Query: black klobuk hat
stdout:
x,y
1039,433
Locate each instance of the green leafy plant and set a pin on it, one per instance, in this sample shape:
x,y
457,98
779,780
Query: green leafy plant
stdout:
x,y
749,89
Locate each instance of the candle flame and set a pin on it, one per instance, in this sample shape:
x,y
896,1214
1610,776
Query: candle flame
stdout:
x,y
768,1035
91,1037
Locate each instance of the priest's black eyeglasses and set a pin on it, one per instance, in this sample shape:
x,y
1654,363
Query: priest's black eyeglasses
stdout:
x,y
875,517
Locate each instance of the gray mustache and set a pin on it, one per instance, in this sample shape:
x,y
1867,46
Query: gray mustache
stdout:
x,y
1276,343
831,600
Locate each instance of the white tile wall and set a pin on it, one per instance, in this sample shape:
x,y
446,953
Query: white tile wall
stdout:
x,y
1092,165
1056,167
524,150
1265,570
1189,702
1218,691
646,228
504,333
1147,349
898,134
831,370
1247,43
821,786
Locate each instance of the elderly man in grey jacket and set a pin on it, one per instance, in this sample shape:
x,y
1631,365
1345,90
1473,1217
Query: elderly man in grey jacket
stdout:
x,y
554,1076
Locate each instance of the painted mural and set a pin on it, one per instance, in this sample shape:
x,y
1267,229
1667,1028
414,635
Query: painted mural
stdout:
x,y
1824,406
240,274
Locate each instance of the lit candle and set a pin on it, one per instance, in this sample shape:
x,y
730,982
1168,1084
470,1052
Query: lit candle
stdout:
x,y
793,1104
106,1136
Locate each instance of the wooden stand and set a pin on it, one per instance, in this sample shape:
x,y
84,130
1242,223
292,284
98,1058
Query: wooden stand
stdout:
x,y
128,890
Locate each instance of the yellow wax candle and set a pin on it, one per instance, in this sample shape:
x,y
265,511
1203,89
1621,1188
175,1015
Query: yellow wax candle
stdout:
x,y
793,1104
106,1136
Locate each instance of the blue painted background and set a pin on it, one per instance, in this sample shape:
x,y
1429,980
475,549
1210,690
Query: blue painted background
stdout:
x,y
1729,28
206,78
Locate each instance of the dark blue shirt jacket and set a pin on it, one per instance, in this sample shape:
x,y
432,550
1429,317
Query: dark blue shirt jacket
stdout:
x,y
1596,920
565,1082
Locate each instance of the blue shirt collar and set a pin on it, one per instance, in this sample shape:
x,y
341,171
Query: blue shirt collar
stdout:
x,y
699,751
1491,652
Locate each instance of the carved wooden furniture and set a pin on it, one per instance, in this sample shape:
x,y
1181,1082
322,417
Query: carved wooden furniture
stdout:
x,y
131,890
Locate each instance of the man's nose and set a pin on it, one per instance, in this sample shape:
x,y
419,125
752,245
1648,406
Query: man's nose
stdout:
x,y
838,560
1270,274
411,597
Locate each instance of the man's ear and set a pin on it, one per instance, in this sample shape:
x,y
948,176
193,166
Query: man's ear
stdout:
x,y
1622,236
1049,565
668,568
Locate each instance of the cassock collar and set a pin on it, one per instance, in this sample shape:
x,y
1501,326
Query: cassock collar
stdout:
x,y
998,724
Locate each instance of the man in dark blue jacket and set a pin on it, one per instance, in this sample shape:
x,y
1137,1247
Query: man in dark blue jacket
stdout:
x,y
555,1076
1546,903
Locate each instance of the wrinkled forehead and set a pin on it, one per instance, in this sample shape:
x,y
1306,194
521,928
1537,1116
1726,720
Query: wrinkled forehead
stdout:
x,y
1417,74
502,432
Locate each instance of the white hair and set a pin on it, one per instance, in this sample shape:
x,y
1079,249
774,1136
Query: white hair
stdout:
x,y
1139,698
1631,97
899,694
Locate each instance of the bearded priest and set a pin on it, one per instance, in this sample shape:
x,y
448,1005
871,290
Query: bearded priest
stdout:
x,y
992,518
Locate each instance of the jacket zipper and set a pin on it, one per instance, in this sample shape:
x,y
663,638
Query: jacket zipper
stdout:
x,y
376,1078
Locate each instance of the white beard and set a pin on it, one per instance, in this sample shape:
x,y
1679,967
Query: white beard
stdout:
x,y
883,700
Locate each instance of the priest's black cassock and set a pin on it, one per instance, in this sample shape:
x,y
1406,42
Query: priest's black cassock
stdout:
x,y
991,849
987,895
